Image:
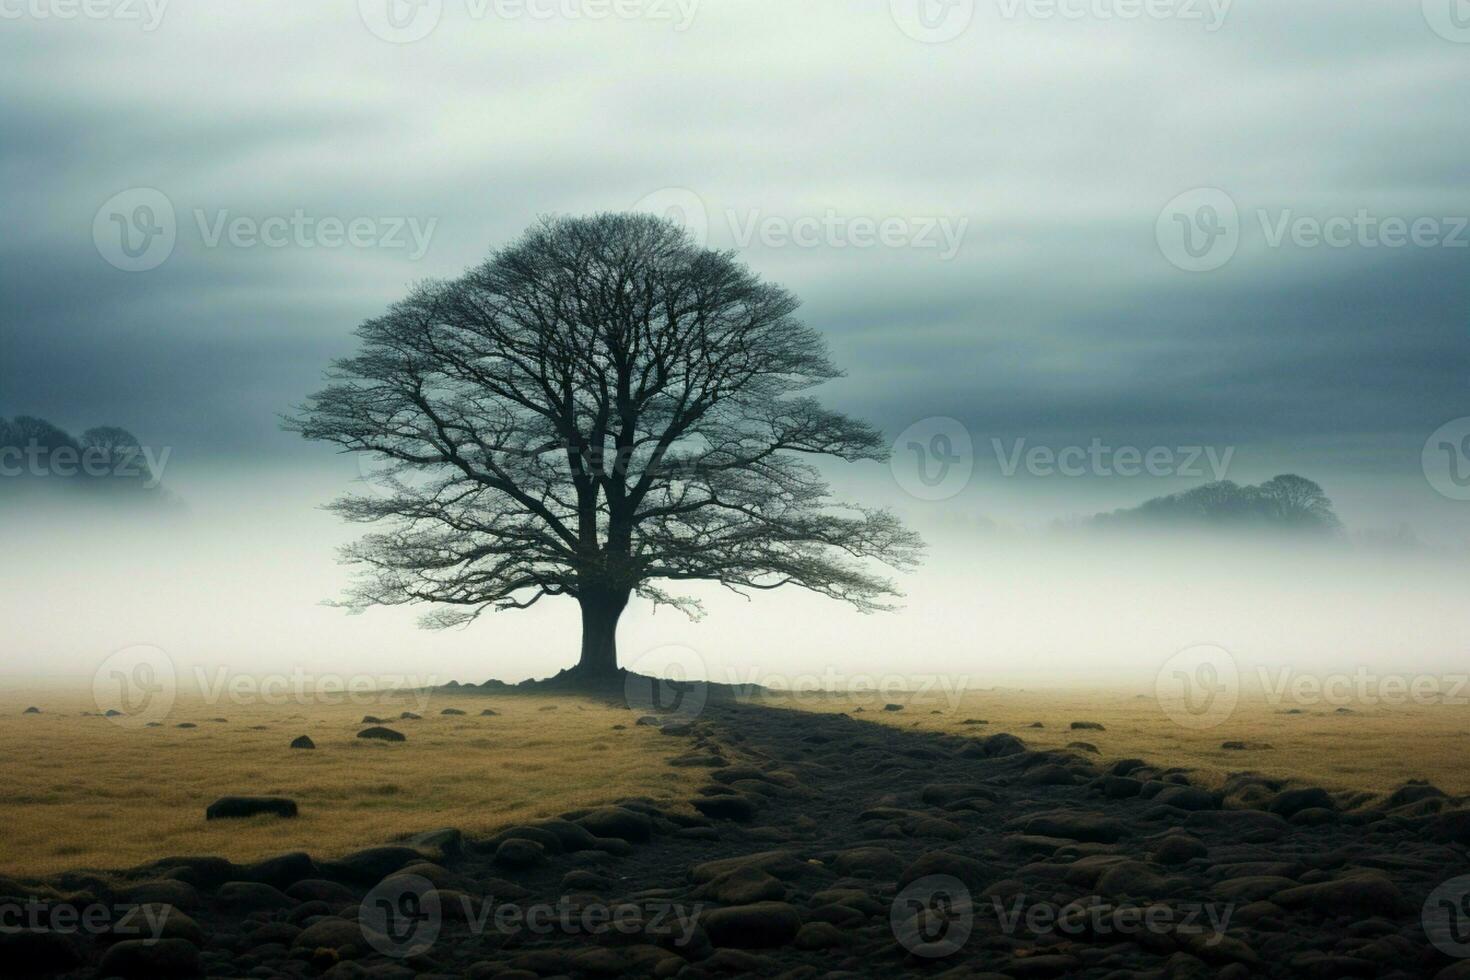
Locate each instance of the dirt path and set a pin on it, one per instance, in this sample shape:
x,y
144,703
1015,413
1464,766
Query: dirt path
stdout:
x,y
832,846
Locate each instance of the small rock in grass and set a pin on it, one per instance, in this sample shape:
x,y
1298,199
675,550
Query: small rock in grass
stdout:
x,y
232,807
382,734
303,742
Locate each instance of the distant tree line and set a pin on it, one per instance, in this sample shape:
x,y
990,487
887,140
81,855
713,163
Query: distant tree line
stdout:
x,y
36,454
1285,502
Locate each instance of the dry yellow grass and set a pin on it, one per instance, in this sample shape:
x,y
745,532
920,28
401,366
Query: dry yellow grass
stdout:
x,y
1375,748
83,792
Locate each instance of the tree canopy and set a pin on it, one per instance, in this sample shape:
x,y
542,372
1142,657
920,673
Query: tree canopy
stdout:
x,y
600,409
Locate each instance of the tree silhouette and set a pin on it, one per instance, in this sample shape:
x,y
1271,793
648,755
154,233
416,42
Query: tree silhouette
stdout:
x,y
601,409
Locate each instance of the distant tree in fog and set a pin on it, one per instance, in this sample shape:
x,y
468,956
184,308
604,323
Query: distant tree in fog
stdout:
x,y
38,455
1286,502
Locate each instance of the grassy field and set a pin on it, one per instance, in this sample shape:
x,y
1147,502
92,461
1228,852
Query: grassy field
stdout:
x,y
1374,748
84,792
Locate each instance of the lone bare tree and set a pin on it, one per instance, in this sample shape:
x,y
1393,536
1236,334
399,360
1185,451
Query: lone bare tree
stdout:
x,y
601,407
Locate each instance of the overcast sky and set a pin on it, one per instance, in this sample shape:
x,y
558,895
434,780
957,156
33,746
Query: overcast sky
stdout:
x,y
983,205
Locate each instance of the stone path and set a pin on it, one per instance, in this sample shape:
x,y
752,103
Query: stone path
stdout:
x,y
829,846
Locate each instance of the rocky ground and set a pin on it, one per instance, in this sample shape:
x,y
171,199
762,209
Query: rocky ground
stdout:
x,y
825,845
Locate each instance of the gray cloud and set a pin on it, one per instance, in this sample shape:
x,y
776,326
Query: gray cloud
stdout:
x,y
1059,142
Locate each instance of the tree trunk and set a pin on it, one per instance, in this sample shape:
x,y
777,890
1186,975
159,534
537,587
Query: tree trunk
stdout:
x,y
600,611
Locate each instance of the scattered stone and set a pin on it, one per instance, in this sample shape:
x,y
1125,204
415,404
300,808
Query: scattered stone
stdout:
x,y
303,742
1077,826
489,713
518,854
730,806
451,711
1363,894
1188,798
234,807
1178,849
251,896
780,864
137,959
876,862
1290,801
373,864
410,716
1246,746
156,921
759,926
1087,726
36,953
332,933
893,707
321,890
32,710
966,869
743,886
619,822
820,935
383,734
